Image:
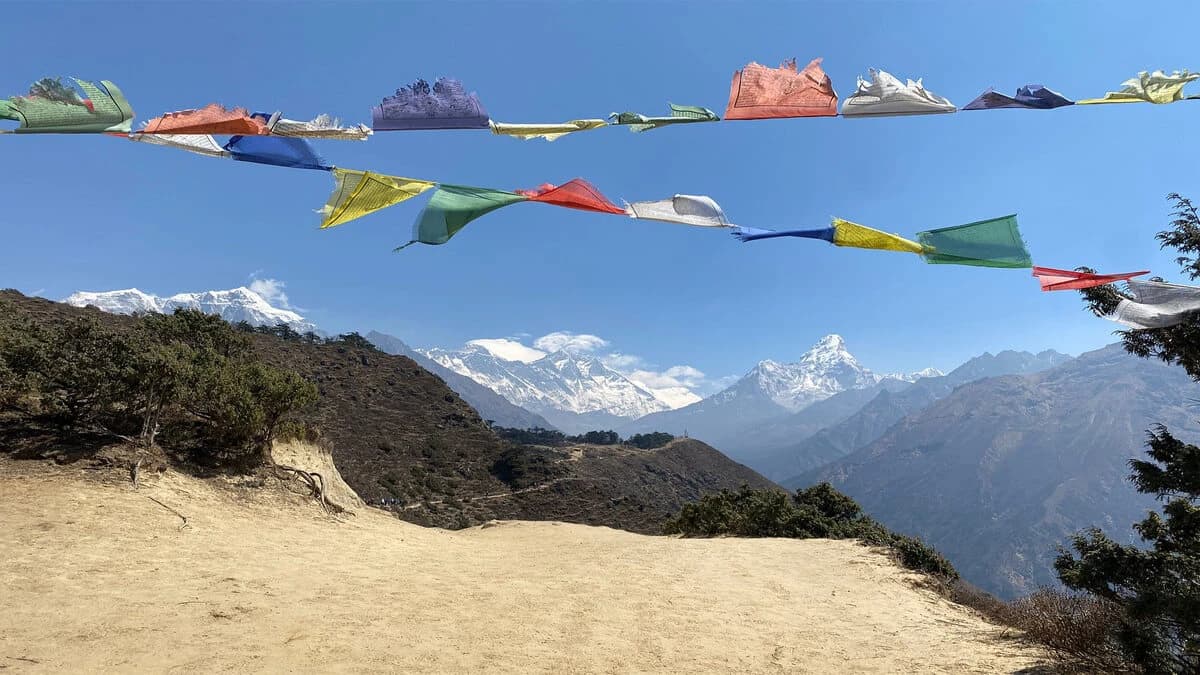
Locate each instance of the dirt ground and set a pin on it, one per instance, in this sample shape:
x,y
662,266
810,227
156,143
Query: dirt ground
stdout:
x,y
98,577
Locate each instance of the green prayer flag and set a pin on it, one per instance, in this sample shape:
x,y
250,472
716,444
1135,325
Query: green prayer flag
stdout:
x,y
452,207
987,243
680,114
52,106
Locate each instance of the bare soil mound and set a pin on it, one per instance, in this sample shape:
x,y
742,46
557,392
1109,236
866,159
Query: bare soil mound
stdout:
x,y
99,577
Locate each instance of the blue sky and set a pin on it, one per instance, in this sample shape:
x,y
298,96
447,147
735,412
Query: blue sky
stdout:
x,y
1088,183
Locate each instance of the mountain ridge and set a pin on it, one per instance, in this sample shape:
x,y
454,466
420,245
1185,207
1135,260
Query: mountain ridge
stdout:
x,y
1004,469
233,305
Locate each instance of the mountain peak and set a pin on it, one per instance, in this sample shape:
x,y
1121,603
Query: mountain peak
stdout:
x,y
233,305
833,341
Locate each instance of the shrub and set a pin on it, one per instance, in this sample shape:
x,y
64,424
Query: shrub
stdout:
x,y
650,441
816,512
190,373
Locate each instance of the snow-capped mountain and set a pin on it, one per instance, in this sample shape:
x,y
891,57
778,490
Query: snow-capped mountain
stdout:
x,y
559,381
234,305
824,370
773,391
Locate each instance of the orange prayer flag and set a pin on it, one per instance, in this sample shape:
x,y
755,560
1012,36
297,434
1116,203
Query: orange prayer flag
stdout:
x,y
759,92
211,119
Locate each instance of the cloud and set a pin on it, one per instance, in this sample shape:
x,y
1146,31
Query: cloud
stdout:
x,y
578,343
622,362
271,290
675,376
509,350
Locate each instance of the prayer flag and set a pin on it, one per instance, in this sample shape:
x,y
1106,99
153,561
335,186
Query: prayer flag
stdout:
x,y
683,209
357,193
322,126
200,144
1156,87
1066,280
846,233
54,107
1155,304
1032,96
574,194
680,114
452,207
759,92
754,234
445,105
885,95
987,243
211,119
295,153
550,132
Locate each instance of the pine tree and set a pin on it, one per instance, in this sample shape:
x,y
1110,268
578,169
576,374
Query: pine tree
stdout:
x,y
1157,585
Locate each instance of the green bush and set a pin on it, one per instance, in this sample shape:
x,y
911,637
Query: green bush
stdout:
x,y
650,441
188,374
817,512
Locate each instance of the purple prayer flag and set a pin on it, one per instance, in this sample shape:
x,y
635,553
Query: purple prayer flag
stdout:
x,y
1031,96
445,105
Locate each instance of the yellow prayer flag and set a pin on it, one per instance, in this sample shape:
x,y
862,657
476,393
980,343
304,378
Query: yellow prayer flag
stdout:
x,y
846,233
550,132
357,193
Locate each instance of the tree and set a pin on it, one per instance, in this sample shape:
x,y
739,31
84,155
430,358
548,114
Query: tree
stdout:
x,y
1156,586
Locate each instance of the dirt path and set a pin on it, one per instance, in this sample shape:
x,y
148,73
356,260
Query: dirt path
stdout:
x,y
97,578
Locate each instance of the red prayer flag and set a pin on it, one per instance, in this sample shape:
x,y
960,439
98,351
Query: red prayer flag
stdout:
x,y
211,119
759,92
1065,280
574,194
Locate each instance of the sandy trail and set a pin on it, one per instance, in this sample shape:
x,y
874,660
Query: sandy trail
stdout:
x,y
96,577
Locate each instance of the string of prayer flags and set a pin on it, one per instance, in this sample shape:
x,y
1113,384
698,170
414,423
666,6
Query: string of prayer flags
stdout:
x,y
295,153
452,207
1156,87
211,119
54,107
550,132
988,243
445,105
697,210
1052,279
200,144
1154,304
574,194
680,114
885,95
321,126
357,193
758,92
1031,96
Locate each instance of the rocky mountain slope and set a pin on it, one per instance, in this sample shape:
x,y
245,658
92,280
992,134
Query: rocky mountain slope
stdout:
x,y
1001,471
490,405
559,386
887,406
734,419
397,432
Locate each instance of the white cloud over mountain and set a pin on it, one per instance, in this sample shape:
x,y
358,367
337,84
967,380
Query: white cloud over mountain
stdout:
x,y
509,350
574,343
